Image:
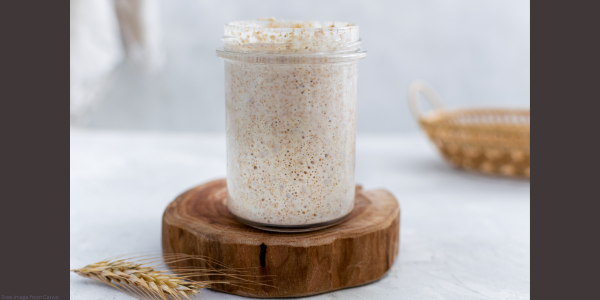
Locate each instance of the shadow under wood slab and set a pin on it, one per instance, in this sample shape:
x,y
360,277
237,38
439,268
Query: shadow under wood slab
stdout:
x,y
357,251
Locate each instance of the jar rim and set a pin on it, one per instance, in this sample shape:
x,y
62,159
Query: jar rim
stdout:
x,y
291,41
319,25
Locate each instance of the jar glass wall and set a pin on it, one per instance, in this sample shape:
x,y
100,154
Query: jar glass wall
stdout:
x,y
291,123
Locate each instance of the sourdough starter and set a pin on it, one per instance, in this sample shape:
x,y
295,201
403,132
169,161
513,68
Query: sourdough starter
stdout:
x,y
291,126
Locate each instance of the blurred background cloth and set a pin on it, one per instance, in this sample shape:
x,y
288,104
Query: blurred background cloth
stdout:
x,y
475,53
102,34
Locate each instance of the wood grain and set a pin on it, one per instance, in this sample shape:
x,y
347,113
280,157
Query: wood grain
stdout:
x,y
357,251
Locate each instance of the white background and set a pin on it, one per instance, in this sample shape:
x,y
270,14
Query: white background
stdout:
x,y
476,53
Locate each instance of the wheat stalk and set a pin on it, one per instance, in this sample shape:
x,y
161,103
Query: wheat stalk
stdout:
x,y
141,277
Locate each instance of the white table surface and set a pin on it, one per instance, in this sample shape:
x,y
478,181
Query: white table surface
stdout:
x,y
462,235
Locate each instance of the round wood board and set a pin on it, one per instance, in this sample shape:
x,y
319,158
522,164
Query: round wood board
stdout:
x,y
357,251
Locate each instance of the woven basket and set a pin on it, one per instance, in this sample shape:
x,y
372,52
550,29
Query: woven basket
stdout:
x,y
495,141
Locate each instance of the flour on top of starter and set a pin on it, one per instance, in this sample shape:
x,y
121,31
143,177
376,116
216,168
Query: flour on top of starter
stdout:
x,y
291,130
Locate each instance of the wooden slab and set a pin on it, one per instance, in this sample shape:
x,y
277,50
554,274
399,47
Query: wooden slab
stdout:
x,y
357,251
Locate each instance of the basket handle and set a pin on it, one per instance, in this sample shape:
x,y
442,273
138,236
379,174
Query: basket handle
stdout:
x,y
419,86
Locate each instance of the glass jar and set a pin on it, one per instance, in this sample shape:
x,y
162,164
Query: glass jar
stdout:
x,y
290,91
